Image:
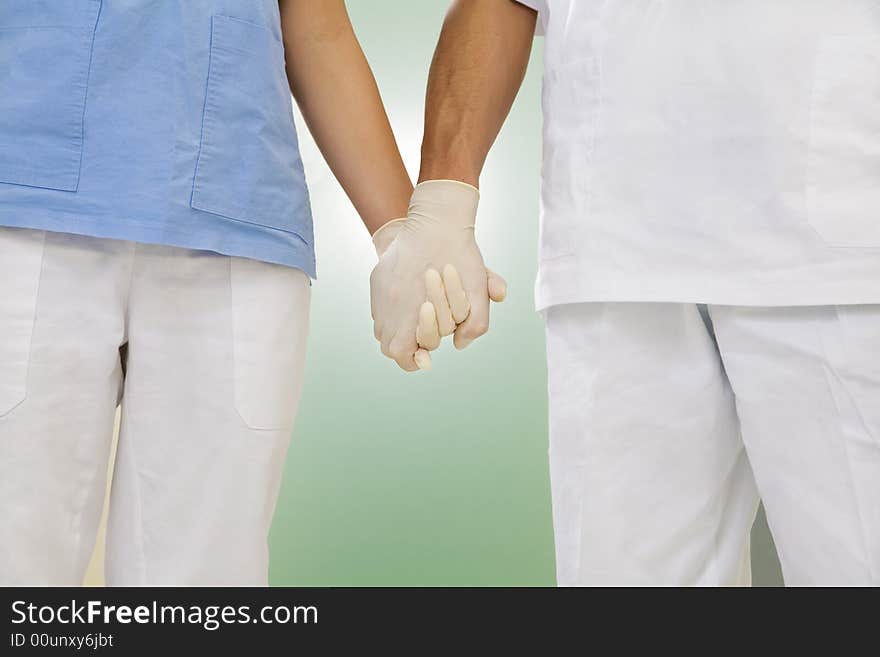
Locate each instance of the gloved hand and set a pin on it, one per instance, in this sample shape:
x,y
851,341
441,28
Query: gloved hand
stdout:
x,y
382,239
431,279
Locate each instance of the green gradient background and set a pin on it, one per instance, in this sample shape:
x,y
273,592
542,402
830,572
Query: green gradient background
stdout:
x,y
434,478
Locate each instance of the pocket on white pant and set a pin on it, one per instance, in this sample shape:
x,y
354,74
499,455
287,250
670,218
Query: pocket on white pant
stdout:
x,y
21,261
270,318
843,169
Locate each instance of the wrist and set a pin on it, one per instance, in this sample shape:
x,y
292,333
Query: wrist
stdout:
x,y
452,201
453,162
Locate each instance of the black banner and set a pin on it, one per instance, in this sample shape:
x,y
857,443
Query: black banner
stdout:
x,y
131,621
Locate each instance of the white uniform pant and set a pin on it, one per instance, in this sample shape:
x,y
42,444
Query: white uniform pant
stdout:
x,y
664,432
215,353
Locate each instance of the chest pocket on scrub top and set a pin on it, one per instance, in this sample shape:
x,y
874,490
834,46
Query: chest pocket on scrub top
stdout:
x,y
45,56
249,168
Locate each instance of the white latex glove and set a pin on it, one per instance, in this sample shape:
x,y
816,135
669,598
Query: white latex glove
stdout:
x,y
382,239
431,277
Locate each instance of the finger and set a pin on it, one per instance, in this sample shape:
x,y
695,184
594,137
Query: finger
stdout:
x,y
458,300
497,287
407,362
402,349
385,346
437,296
423,359
460,342
477,322
427,332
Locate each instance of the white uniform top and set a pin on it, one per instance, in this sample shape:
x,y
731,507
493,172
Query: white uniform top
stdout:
x,y
711,151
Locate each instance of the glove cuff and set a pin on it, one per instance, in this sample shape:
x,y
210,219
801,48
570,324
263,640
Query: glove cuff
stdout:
x,y
453,201
383,237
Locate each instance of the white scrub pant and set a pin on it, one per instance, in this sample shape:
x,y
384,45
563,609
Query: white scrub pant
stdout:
x,y
209,392
665,431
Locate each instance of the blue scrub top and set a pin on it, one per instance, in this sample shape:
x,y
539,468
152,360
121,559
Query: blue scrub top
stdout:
x,y
158,121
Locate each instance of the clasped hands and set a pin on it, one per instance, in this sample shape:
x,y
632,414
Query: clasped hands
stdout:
x,y
431,280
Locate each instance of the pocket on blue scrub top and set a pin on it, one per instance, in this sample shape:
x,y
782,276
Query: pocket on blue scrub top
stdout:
x,y
45,56
843,167
249,167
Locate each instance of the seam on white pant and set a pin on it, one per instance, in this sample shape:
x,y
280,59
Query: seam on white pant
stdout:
x,y
830,377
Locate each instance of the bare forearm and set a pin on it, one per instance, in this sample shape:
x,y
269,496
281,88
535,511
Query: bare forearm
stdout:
x,y
337,94
478,68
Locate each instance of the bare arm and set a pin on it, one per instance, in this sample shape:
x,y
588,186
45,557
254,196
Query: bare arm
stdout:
x,y
337,94
478,68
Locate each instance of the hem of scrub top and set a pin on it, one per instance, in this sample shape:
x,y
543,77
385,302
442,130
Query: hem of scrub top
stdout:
x,y
574,286
296,253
